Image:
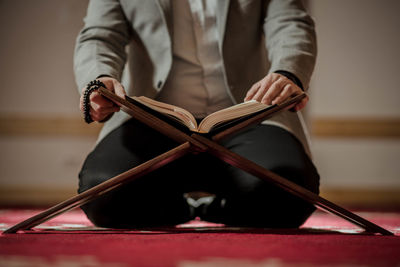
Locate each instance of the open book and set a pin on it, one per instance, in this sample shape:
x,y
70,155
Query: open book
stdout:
x,y
210,122
185,118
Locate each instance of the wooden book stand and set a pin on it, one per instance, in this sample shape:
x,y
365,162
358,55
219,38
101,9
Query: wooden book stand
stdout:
x,y
196,143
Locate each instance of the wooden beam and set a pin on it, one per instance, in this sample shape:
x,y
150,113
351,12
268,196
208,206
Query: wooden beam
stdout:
x,y
27,125
356,127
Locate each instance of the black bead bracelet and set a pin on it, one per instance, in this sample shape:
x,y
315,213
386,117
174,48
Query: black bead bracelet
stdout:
x,y
93,85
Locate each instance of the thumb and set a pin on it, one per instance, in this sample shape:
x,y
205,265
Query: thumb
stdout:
x,y
302,104
119,89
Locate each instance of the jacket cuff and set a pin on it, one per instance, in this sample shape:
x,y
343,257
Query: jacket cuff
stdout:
x,y
291,77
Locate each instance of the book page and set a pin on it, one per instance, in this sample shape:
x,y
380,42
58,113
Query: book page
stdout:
x,y
179,114
230,113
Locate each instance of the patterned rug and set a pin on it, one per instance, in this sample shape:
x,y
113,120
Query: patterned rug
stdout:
x,y
324,240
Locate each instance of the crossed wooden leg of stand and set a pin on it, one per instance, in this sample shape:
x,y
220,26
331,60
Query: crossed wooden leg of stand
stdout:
x,y
203,145
198,144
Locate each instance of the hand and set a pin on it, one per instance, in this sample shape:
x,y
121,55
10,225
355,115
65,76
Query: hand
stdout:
x,y
275,89
100,107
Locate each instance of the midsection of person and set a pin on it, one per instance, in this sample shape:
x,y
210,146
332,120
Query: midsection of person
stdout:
x,y
196,80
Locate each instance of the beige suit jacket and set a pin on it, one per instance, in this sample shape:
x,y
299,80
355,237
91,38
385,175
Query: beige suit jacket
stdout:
x,y
130,40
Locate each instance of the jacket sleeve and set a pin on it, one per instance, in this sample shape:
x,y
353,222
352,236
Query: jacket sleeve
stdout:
x,y
100,45
290,39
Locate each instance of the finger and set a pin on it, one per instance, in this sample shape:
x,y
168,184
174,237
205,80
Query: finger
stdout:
x,y
274,90
96,98
270,80
119,89
97,116
285,94
261,91
253,90
101,110
264,87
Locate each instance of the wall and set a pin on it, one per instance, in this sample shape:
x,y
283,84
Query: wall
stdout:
x,y
357,79
39,161
353,113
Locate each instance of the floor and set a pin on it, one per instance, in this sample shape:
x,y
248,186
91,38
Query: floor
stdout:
x,y
324,240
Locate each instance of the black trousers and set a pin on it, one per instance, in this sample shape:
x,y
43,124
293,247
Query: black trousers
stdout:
x,y
157,199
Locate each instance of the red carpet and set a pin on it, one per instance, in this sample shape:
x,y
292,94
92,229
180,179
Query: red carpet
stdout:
x,y
324,240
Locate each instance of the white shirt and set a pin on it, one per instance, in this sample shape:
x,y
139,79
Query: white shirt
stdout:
x,y
196,80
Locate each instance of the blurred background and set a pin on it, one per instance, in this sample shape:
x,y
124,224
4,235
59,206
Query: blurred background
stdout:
x,y
353,115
